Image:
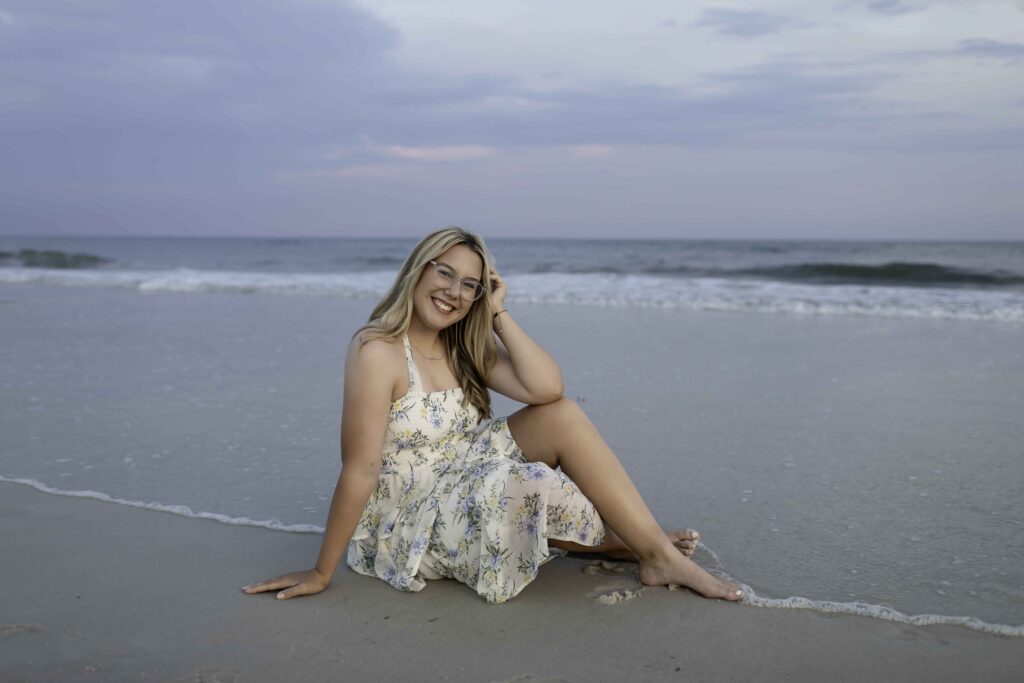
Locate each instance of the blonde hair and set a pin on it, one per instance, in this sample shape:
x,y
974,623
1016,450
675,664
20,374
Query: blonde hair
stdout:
x,y
469,342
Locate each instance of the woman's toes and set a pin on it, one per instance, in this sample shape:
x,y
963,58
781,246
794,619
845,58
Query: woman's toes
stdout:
x,y
733,592
688,535
686,546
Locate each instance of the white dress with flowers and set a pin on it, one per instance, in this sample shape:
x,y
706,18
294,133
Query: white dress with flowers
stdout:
x,y
457,499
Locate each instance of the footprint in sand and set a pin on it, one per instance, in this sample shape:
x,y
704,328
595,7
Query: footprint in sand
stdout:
x,y
616,597
12,629
614,593
531,678
216,676
609,568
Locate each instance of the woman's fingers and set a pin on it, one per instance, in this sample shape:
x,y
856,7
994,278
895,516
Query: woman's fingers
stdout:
x,y
498,289
272,584
297,583
296,590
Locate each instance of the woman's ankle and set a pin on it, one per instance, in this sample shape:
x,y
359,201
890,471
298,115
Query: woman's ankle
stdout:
x,y
657,555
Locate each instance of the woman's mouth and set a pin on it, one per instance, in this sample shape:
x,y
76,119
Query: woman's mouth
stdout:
x,y
442,306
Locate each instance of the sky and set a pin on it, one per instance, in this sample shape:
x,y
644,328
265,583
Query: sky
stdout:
x,y
830,119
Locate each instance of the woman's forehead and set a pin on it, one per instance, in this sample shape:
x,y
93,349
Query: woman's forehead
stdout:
x,y
464,260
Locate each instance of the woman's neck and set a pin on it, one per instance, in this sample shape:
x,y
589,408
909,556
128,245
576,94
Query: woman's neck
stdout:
x,y
425,340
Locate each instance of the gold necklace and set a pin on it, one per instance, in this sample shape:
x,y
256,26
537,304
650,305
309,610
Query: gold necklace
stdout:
x,y
423,354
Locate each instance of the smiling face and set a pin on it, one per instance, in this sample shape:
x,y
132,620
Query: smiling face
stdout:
x,y
438,306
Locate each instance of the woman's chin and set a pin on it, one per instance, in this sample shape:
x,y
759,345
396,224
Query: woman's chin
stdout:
x,y
435,321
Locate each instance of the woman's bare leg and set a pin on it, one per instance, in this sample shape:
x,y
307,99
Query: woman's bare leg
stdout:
x,y
560,435
685,542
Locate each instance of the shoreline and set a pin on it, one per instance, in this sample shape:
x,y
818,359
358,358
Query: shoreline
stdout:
x,y
100,592
858,608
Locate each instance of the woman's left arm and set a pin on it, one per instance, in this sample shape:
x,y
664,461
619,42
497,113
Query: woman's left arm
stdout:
x,y
524,371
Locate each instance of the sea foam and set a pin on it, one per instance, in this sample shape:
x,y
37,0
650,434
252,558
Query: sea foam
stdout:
x,y
182,510
858,608
585,289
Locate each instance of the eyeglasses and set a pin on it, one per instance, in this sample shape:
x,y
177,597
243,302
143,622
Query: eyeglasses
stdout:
x,y
469,288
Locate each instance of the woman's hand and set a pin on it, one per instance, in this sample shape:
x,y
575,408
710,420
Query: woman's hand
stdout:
x,y
296,583
498,290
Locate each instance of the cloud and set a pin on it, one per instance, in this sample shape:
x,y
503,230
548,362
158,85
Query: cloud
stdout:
x,y
984,47
438,153
277,115
753,105
971,48
895,7
745,24
146,91
142,91
134,89
591,151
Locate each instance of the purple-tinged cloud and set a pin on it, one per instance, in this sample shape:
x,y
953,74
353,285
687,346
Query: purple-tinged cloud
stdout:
x,y
895,7
984,47
745,24
146,91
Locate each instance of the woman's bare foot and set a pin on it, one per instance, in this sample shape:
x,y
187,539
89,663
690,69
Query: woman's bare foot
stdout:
x,y
684,541
673,568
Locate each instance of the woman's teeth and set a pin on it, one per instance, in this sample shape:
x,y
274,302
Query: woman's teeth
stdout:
x,y
443,307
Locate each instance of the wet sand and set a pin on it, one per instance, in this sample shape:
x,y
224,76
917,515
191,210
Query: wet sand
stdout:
x,y
94,591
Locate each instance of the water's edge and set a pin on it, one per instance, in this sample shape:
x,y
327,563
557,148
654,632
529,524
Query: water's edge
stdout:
x,y
750,596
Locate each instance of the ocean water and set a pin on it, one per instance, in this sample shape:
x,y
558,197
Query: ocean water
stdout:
x,y
851,410
938,280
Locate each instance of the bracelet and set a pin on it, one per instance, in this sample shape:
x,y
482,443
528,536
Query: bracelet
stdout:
x,y
494,319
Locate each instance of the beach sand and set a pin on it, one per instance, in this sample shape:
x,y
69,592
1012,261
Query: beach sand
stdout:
x,y
833,458
93,591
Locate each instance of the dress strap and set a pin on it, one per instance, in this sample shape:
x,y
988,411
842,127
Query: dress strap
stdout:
x,y
414,374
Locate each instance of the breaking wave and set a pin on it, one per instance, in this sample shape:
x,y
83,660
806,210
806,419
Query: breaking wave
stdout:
x,y
714,294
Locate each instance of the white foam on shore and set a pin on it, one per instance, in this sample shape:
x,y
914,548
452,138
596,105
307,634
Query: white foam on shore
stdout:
x,y
858,608
587,289
865,609
188,280
183,510
750,596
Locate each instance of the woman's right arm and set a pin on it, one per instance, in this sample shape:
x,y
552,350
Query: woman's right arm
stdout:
x,y
370,380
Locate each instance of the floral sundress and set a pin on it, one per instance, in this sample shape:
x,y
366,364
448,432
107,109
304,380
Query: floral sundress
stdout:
x,y
456,498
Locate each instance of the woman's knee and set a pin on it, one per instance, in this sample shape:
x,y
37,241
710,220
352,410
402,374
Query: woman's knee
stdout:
x,y
552,420
564,411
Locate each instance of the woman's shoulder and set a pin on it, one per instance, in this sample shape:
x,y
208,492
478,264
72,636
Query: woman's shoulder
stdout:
x,y
375,368
374,352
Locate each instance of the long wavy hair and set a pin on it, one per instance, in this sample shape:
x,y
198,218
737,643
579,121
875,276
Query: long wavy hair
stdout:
x,y
469,343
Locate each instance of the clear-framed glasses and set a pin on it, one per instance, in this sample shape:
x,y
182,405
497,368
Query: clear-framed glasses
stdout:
x,y
469,288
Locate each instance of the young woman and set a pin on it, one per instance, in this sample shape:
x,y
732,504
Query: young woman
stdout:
x,y
431,487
